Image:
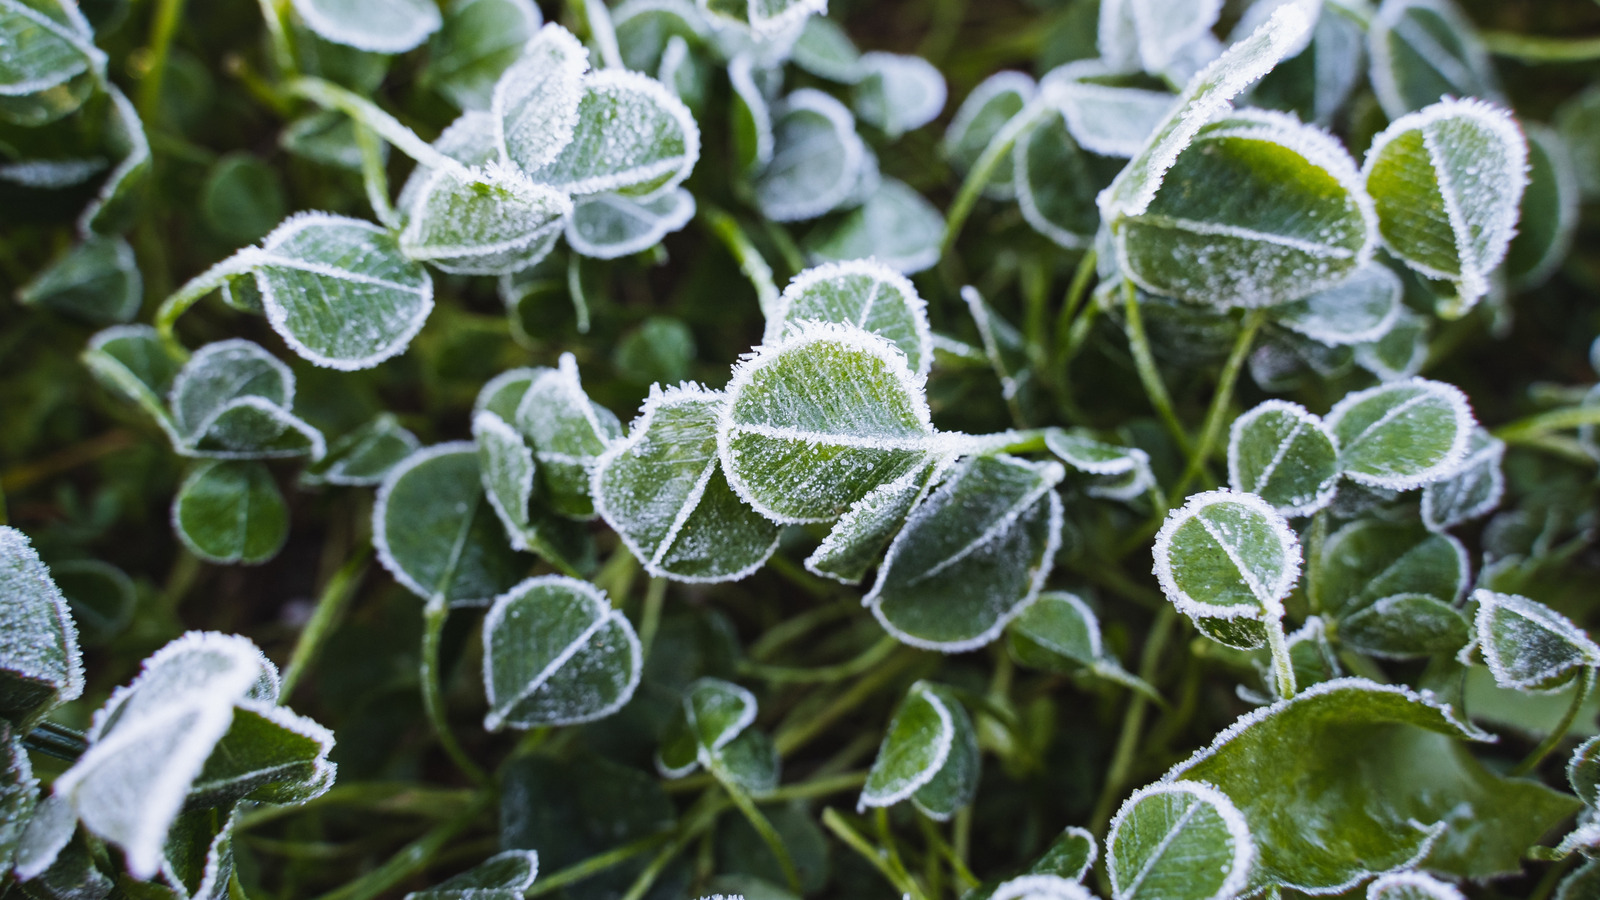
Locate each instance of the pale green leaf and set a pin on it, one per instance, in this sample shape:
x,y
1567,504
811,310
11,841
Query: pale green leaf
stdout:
x,y
231,511
1227,561
1473,491
1400,353
1178,840
477,41
362,457
765,17
916,746
437,534
269,755
47,44
1403,434
508,471
502,393
376,26
504,876
857,541
1057,182
1529,646
488,222
1405,626
711,715
40,666
898,93
232,400
1284,455
97,280
987,109
1040,887
115,208
1581,884
816,158
955,785
1361,309
133,361
972,556
1423,51
1060,633
1548,217
1583,772
535,103
633,136
645,27
1315,83
568,432
325,137
751,760
826,51
863,293
1108,119
1411,886
1368,560
1351,779
610,226
751,116
1117,473
556,653
894,225
815,422
664,493
242,198
1149,34
1576,122
1448,182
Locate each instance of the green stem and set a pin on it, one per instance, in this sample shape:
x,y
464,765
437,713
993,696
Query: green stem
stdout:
x,y
331,96
758,821
1144,362
1537,426
1314,546
794,628
380,798
1221,400
650,616
168,13
1077,295
726,228
1122,757
374,178
943,850
580,303
834,673
1282,664
891,847
412,858
272,13
796,734
595,864
983,171
434,616
1537,49
196,289
697,821
834,822
324,619
1558,733
598,20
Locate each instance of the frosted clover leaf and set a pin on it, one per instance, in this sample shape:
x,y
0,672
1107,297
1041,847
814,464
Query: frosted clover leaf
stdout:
x,y
133,362
857,541
1403,434
1412,886
1529,646
1040,887
929,755
972,556
477,42
664,492
712,729
1361,309
610,226
231,511
1473,491
504,876
633,136
535,102
1057,181
1116,473
1178,841
817,158
376,26
568,432
49,45
1060,633
1404,626
894,225
1448,183
40,666
1368,560
199,726
863,293
510,485
363,456
979,118
1284,455
556,653
97,281
1149,34
1106,119
483,223
233,399
898,93
1423,50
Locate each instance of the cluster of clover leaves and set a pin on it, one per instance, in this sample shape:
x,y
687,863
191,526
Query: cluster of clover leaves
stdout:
x,y
1193,178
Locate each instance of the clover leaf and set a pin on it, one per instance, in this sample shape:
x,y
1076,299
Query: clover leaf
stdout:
x,y
1178,840
929,755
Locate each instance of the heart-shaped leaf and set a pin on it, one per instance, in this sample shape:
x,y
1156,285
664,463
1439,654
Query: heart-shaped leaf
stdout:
x,y
568,432
972,556
1405,626
1178,840
535,102
711,715
1392,785
490,222
1583,772
863,293
611,226
817,158
1117,473
556,653
633,136
1149,34
1403,434
895,225
1473,491
1368,560
857,541
40,666
930,733
1411,886
1447,183
231,511
994,102
1360,309
1060,633
133,361
1285,456
1227,561
477,41
1105,119
436,533
1529,646
97,281
1423,50
376,26
504,876
664,493
898,93
362,457
232,400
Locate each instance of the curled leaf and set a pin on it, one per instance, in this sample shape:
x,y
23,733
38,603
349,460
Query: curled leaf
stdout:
x,y
40,665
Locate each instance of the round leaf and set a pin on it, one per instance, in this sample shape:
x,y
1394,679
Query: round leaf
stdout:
x,y
633,136
1405,626
1423,50
1284,455
816,158
1057,182
1529,646
863,293
97,281
1149,34
1229,559
230,512
1178,841
1361,309
915,747
611,226
483,223
1403,434
898,93
477,42
895,226
568,432
363,456
376,26
980,117
1368,560
1105,119
535,103
1473,491
1548,217
1040,887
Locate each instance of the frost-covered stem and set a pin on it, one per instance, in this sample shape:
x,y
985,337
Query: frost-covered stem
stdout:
x,y
329,611
1282,664
1221,399
1527,430
580,303
983,171
823,674
1155,647
1537,49
195,289
1559,732
880,820
162,30
597,20
594,865
1144,361
655,596
331,96
834,822
799,730
1036,288
374,178
961,835
413,857
433,619
758,821
751,263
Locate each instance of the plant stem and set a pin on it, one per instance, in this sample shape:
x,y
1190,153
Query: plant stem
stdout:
x,y
21,477
412,858
1144,361
324,619
1314,546
793,735
385,798
1558,733
282,52
1221,400
837,672
726,228
1282,664
195,289
983,170
650,615
168,13
595,864
758,821
792,629
1536,49
434,616
331,96
580,303
1077,294
698,820
834,822
942,848
1155,647
56,740
374,178
1533,427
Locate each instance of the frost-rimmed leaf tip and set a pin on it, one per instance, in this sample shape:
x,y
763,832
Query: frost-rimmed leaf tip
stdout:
x,y
712,714
1529,646
632,136
1285,455
535,103
817,158
1180,840
1226,555
40,665
914,749
1040,887
376,26
491,221
1411,886
1403,434
864,293
500,877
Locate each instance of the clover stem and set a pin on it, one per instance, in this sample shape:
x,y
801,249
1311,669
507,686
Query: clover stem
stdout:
x,y
580,302
1314,547
195,289
364,112
1537,426
434,616
983,171
754,266
696,821
374,178
1539,49
1221,399
1144,362
594,865
803,726
1559,732
413,857
942,849
880,820
162,30
655,596
834,822
272,14
823,674
1077,293
758,821
1282,664
325,617
1122,756
597,21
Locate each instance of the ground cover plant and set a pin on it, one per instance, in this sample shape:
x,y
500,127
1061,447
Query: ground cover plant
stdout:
x,y
1046,449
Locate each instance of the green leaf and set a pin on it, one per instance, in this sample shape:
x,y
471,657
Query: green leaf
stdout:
x,y
232,400
568,432
816,421
340,291
664,492
115,208
864,293
1403,434
1405,626
898,93
491,222
1104,118
1178,840
198,855
437,535
765,17
1368,560
1581,884
40,666
1070,855
1448,183
1003,346
857,541
751,760
920,744
133,362
1529,646
362,457
508,482
556,653
1317,82
1548,217
325,137
633,136
476,43
1284,455
955,785
750,118
48,44
1227,561
895,225
1118,473
987,109
504,876
712,713
1256,210
1150,34
1361,309
242,198
1057,182
1040,887
611,226
1473,491
645,28
1575,122
97,280
1401,353
826,51
1060,633
1311,655
19,799
1411,886
1423,50
535,102
660,350
972,556
376,26
268,755
1350,779
817,158
230,512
